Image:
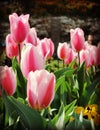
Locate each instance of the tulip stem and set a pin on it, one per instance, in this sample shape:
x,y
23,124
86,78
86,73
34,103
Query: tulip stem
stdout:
x,y
79,58
63,63
49,61
58,63
19,52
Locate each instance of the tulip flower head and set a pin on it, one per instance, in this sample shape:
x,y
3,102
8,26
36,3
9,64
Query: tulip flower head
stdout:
x,y
19,27
40,88
93,55
72,55
63,50
85,57
32,37
11,47
31,59
77,39
98,52
8,79
47,47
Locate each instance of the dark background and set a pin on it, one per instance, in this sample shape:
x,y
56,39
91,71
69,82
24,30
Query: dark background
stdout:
x,y
41,9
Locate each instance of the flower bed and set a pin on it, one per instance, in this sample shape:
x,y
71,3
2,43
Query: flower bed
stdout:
x,y
40,92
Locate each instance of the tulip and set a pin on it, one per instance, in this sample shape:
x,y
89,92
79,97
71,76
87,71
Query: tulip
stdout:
x,y
71,56
85,57
19,27
63,50
11,47
31,59
8,79
77,39
32,37
98,54
47,47
40,89
93,55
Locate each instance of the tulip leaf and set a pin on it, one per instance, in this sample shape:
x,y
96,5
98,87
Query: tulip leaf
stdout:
x,y
59,82
60,72
80,76
78,124
80,79
69,110
65,71
29,117
69,72
88,91
59,116
21,81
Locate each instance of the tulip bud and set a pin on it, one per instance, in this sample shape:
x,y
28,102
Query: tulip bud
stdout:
x,y
11,47
72,55
31,59
47,47
85,57
40,89
62,50
77,39
32,37
8,79
19,27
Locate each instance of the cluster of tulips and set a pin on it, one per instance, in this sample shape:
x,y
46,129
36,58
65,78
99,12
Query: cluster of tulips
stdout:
x,y
29,79
80,50
31,54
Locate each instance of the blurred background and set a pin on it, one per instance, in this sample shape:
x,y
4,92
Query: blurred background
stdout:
x,y
53,18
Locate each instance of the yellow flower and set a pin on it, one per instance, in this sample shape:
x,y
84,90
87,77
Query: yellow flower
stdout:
x,y
79,109
91,111
71,119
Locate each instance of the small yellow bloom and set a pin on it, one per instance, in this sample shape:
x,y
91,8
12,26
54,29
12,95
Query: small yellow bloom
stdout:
x,y
91,111
79,109
71,119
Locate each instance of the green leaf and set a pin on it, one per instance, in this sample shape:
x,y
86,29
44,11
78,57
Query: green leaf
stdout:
x,y
80,78
60,72
88,92
78,124
21,81
69,110
30,118
69,72
59,82
59,117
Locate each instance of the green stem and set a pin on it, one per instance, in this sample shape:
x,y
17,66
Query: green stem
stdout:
x,y
63,64
49,61
79,57
19,52
58,63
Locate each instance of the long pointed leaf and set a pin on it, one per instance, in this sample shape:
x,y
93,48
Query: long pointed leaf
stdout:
x,y
30,118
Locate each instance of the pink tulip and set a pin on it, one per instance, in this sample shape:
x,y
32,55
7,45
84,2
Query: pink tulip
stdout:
x,y
8,79
11,47
40,89
71,56
47,47
0,92
31,59
19,27
77,39
87,45
32,37
93,55
98,54
63,50
85,57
